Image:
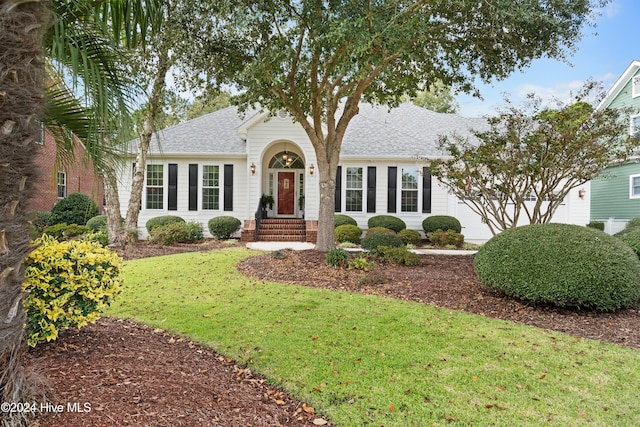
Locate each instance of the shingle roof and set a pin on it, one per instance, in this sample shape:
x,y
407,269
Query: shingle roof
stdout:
x,y
405,131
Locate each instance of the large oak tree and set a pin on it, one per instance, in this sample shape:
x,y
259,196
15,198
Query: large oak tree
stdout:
x,y
319,59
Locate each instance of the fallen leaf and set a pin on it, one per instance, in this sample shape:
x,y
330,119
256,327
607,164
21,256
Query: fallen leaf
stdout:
x,y
320,422
391,408
308,409
280,402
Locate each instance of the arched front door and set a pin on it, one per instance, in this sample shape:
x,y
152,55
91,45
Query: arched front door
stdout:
x,y
287,170
286,193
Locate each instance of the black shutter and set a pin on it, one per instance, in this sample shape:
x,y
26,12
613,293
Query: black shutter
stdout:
x,y
426,189
172,198
228,187
371,189
392,185
338,196
193,187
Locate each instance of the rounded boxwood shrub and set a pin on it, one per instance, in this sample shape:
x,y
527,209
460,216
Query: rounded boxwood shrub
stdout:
x,y
632,238
441,222
387,221
97,223
409,237
632,225
380,230
162,220
561,264
222,227
78,208
176,232
67,284
376,240
340,219
598,225
348,233
64,232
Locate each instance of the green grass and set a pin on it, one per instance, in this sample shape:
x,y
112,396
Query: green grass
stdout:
x,y
363,360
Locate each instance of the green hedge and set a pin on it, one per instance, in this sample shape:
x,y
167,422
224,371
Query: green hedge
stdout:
x,y
222,227
98,223
339,219
410,237
387,221
561,264
348,233
77,208
376,240
162,220
441,222
176,232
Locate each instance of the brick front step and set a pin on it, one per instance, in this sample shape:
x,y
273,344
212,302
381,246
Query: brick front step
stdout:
x,y
281,230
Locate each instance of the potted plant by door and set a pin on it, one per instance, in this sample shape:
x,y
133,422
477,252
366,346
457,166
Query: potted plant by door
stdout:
x,y
267,201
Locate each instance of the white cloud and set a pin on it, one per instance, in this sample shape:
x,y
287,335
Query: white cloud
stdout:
x,y
612,9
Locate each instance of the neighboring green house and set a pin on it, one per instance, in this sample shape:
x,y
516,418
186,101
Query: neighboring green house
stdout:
x,y
615,194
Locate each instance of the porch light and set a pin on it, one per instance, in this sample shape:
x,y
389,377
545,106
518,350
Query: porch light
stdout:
x,y
312,169
581,193
252,168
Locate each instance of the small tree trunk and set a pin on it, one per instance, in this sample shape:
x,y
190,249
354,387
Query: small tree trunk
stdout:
x,y
135,199
115,230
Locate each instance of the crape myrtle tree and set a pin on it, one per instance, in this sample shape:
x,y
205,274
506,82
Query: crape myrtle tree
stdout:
x,y
320,59
531,156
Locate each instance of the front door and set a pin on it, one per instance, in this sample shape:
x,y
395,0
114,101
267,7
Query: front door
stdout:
x,y
286,193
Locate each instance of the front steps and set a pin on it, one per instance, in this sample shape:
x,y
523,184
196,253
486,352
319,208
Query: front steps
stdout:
x,y
281,230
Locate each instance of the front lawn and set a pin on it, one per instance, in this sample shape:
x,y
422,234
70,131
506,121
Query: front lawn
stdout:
x,y
367,360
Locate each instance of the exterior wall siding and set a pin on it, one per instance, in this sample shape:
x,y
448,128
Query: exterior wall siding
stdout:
x,y
610,194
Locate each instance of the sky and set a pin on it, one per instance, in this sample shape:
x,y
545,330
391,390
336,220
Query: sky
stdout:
x,y
603,54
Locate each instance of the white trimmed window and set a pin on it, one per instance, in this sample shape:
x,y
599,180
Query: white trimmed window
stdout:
x,y
635,125
155,186
409,195
353,202
635,86
61,179
634,187
210,187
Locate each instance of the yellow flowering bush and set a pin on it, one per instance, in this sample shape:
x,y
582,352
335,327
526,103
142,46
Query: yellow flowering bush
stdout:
x,y
68,284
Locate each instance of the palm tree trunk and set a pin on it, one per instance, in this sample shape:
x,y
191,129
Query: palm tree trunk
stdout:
x,y
21,102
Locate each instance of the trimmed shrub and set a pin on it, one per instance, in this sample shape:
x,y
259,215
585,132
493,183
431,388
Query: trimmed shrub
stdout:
x,y
598,225
78,208
387,221
632,239
561,264
162,220
409,237
339,219
64,232
39,222
376,240
446,238
336,257
379,230
176,232
632,225
100,237
98,223
67,284
348,233
222,227
440,222
399,255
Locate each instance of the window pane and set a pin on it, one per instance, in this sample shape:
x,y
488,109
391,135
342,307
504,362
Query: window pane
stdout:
x,y
210,187
154,197
353,200
635,186
210,198
353,195
155,189
62,185
409,195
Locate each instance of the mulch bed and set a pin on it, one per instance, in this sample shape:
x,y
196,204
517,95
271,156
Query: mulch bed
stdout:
x,y
130,374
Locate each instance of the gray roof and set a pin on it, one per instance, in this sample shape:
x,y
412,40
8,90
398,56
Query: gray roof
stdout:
x,y
376,131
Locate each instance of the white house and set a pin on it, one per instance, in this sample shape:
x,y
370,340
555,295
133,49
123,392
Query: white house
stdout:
x,y
223,162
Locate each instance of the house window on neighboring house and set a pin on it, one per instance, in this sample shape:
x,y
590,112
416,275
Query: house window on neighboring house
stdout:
x,y
40,139
155,186
353,195
635,125
634,187
210,187
635,86
409,194
61,179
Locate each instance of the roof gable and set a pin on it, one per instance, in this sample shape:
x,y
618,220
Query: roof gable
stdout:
x,y
620,84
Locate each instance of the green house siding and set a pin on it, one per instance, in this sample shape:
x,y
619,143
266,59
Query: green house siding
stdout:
x,y
625,98
610,194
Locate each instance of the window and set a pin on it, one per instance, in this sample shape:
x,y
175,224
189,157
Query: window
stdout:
x,y
409,195
62,184
155,186
40,139
634,187
635,125
635,86
210,187
353,202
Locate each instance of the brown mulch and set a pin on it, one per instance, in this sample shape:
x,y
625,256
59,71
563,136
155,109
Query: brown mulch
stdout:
x,y
130,374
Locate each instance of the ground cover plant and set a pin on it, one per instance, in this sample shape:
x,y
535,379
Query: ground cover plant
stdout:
x,y
362,359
